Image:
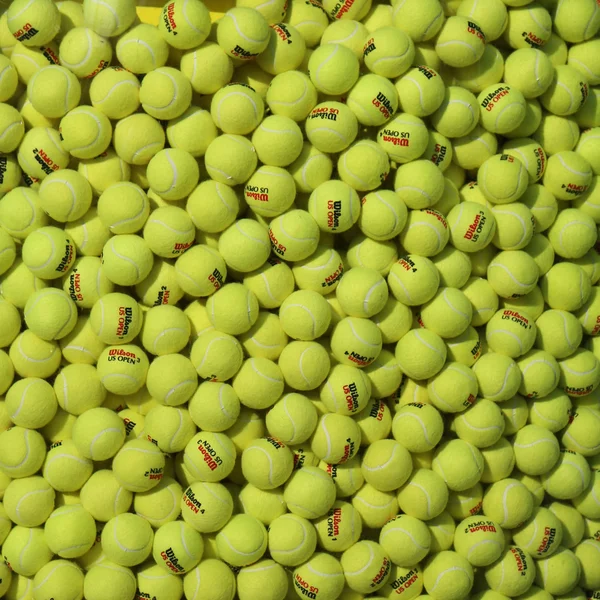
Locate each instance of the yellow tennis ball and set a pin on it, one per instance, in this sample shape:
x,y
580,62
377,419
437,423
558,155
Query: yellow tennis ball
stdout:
x,y
277,141
457,114
78,388
418,427
50,314
212,579
33,24
492,19
25,550
115,92
41,152
309,492
514,226
165,330
101,172
11,318
53,91
165,93
291,94
107,579
210,456
86,282
424,496
85,132
169,231
243,33
388,53
270,191
48,253
304,365
28,59
420,21
460,42
529,70
459,463
177,387
213,206
70,531
127,259
200,120
200,271
331,127
567,93
10,173
208,68
340,528
567,176
512,274
294,234
127,540
386,465
373,99
177,547
230,159
59,577
170,428
33,357
448,575
420,91
142,49
364,165
28,501
366,566
184,25
356,341
65,195
305,315
159,505
233,309
413,280
267,463
421,353
405,539
292,540
559,573
123,207
555,283
217,356
138,465
65,468
333,69
285,50
509,503
242,541
577,22
206,506
541,534
472,226
116,318
346,391
336,438
138,138
108,19
404,138
334,205
85,52
383,215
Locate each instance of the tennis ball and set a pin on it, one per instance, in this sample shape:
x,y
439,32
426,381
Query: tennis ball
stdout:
x,y
386,465
266,338
85,132
569,476
567,176
333,69
498,376
366,566
356,341
542,204
208,67
18,283
540,374
406,540
404,138
154,581
21,213
424,496
460,42
536,450
195,117
101,172
580,435
210,456
267,463
420,183
339,529
375,508
541,534
292,419
177,547
309,492
364,165
322,572
212,206
177,387
362,292
116,318
103,497
159,338
127,540
33,24
200,271
574,527
10,177
48,252
28,501
206,506
58,577
492,20
217,356
285,50
252,581
513,573
84,52
340,131
169,428
184,25
57,317
169,231
41,152
108,580
426,231
53,91
321,272
420,21
447,314
30,402
448,575
334,205
32,356
388,53
582,58
28,59
472,226
528,70
453,388
559,573
292,540
466,503
160,287
418,427
270,191
108,19
243,33
65,468
421,353
510,332
98,433
277,141
509,503
242,541
114,91
137,138
567,93
413,280
459,463
457,114
305,315
586,553
65,195
25,551
165,93
568,274
346,390
481,425
551,412
70,531
295,234
513,273
347,477
530,153
373,99
502,179
304,365
211,579
464,348
142,49
230,159
579,25
233,309
127,259
420,91
556,134
291,94
11,318
514,226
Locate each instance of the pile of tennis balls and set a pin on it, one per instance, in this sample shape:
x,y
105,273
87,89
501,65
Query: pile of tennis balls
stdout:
x,y
300,303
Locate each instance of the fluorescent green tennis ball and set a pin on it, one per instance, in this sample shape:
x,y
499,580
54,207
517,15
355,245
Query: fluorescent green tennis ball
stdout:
x,y
334,205
386,465
85,132
170,428
459,463
541,534
216,356
502,179
346,390
28,501
421,21
310,492
10,177
127,539
465,348
567,93
413,280
201,271
291,94
295,234
165,330
108,19
331,127
184,25
586,552
583,58
580,434
142,49
270,191
322,572
206,506
243,33
59,577
292,419
98,433
528,70
424,496
109,580
165,93
528,26
567,176
551,412
210,456
420,91
333,69
509,503
457,114
48,253
153,581
242,541
362,292
576,22
212,206
574,526
453,389
101,172
116,318
26,551
514,226
138,138
78,388
33,24
233,309
70,531
177,547
383,215
138,465
481,425
65,195
267,463
405,539
556,134
498,376
555,283
540,374
421,353
305,315
50,314
169,231
84,52
115,92
366,566
373,99
292,540
536,450
387,52
510,332
201,121
28,59
254,580
65,468
41,152
208,68
356,341
53,91
21,213
33,357
480,541
266,338
211,579
418,427
304,365
230,159
103,497
530,153
11,318
375,507
172,379
512,273
278,141
285,50
447,314
340,528
558,574
420,183
426,232
404,138
513,573
472,226
127,259
569,477
364,165
492,18
460,42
